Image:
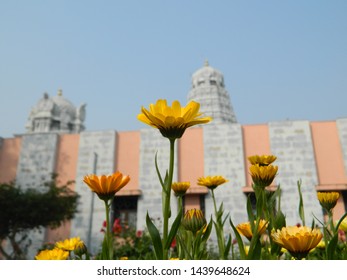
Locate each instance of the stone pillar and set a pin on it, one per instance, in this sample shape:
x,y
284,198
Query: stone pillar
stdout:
x,y
150,201
223,155
35,166
342,129
91,210
291,142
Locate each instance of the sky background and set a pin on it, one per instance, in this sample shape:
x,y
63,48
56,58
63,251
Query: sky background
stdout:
x,y
280,59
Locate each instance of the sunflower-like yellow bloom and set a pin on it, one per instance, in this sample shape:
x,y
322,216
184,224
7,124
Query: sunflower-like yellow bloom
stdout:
x,y
263,176
194,220
262,160
211,182
328,200
246,230
343,225
54,254
180,188
106,186
172,121
299,241
70,244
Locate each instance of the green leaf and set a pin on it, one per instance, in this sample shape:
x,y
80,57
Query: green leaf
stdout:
x,y
227,248
173,231
250,210
301,204
239,241
332,247
158,172
207,232
155,236
280,220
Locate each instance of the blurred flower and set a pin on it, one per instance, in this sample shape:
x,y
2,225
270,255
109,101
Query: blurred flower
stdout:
x,y
117,227
180,188
123,258
194,220
263,160
139,233
299,241
246,230
172,121
263,176
328,200
343,225
212,182
69,244
106,186
80,249
54,254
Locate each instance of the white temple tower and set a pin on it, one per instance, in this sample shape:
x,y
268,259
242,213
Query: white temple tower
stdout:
x,y
56,114
209,90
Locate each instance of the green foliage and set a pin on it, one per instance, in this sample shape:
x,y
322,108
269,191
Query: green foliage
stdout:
x,y
25,210
133,245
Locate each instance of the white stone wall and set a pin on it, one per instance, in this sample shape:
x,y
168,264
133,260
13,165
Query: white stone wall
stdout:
x,y
91,210
291,142
342,130
150,200
36,164
223,155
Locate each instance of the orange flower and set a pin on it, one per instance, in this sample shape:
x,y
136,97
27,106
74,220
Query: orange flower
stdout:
x,y
106,186
246,230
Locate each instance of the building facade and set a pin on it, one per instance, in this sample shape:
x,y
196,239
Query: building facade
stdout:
x,y
313,152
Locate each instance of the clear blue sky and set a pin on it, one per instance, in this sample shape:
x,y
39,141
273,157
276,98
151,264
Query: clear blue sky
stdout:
x,y
280,59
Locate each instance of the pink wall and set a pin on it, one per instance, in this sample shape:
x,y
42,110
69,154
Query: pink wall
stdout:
x,y
256,141
9,156
329,161
128,160
191,159
328,153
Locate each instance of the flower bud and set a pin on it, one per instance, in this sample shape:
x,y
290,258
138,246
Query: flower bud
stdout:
x,y
194,220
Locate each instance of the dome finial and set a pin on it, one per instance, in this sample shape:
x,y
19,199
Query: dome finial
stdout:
x,y
206,62
60,92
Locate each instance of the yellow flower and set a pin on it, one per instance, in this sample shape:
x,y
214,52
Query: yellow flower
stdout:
x,y
180,188
263,176
106,186
299,241
70,244
194,220
172,121
211,182
124,258
328,200
343,225
262,160
54,254
246,230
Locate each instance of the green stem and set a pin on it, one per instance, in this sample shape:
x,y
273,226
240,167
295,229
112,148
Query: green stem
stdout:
x,y
214,203
219,228
108,232
167,193
331,222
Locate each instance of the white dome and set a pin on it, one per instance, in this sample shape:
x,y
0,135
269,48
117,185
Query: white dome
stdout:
x,y
207,75
63,106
